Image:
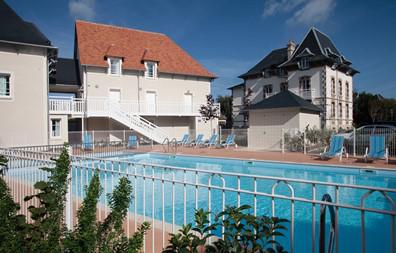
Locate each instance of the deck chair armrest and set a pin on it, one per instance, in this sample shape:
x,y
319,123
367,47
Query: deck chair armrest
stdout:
x,y
366,153
387,155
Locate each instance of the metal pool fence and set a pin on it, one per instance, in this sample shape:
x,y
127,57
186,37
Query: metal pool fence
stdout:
x,y
166,196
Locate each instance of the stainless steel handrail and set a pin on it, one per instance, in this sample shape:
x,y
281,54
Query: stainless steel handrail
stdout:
x,y
322,228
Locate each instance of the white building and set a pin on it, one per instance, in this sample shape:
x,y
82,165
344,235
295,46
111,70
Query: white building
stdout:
x,y
119,79
133,79
24,62
315,70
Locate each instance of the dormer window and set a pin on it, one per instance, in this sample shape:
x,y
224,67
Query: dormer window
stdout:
x,y
304,63
114,66
151,70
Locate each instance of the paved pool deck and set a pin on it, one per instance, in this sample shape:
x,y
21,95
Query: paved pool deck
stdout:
x,y
294,157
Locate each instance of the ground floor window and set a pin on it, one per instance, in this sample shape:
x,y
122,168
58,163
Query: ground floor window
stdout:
x,y
55,128
5,85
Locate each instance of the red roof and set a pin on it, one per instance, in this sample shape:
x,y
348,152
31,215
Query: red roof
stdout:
x,y
96,41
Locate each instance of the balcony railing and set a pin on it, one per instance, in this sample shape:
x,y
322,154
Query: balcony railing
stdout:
x,y
308,94
99,107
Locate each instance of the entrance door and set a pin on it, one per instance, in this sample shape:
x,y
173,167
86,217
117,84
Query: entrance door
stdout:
x,y
151,102
188,103
115,95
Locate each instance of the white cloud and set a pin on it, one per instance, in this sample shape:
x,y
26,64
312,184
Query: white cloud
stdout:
x,y
303,11
84,9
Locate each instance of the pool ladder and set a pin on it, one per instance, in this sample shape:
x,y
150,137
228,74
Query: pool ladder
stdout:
x,y
322,228
170,146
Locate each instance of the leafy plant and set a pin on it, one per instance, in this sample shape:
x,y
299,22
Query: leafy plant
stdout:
x,y
241,232
209,111
48,233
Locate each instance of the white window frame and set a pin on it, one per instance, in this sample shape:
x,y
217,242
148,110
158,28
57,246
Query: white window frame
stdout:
x,y
340,87
305,83
60,128
268,89
304,63
146,72
340,111
10,85
109,59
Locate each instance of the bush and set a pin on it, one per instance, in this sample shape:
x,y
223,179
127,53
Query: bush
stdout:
x,y
48,233
243,232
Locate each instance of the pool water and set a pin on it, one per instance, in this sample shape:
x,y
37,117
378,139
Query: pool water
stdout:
x,y
149,192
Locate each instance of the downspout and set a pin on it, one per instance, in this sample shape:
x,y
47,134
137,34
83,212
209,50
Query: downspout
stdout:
x,y
138,90
47,99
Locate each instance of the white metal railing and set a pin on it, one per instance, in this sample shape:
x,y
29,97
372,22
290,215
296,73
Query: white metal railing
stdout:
x,y
97,106
174,192
308,94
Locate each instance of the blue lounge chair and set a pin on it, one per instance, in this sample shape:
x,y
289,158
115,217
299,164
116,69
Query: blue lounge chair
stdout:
x,y
185,140
87,142
377,149
211,141
198,141
230,141
336,148
133,141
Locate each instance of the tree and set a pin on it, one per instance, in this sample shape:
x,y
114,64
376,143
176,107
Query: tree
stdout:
x,y
226,109
209,111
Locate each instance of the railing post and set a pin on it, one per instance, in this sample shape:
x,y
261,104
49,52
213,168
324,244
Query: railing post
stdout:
x,y
304,141
69,200
283,140
93,140
354,142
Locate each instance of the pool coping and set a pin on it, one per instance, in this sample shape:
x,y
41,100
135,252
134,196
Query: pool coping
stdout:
x,y
277,161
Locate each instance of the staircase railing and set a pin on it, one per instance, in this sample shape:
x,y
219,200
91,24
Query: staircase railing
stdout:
x,y
136,122
322,228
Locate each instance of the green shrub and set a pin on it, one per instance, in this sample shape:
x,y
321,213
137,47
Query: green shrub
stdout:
x,y
48,233
243,232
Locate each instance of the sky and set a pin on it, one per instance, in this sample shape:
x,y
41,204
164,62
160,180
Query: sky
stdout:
x,y
230,36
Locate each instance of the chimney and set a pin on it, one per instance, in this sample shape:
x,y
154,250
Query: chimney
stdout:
x,y
291,46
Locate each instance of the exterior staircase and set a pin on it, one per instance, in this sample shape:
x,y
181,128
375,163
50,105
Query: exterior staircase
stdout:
x,y
135,122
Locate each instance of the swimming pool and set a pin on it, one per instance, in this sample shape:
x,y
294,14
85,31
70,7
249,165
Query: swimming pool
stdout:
x,y
175,202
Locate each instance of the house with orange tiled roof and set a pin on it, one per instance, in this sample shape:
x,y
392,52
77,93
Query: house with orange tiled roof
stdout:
x,y
134,80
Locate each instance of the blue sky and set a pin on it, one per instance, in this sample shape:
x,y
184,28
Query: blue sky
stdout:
x,y
230,36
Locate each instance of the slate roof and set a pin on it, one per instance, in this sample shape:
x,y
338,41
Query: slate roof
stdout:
x,y
13,28
272,60
286,99
319,47
66,72
236,86
97,41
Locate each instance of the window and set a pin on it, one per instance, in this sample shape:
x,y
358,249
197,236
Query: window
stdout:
x,y
347,111
5,90
305,83
347,90
333,109
333,87
284,86
55,128
267,90
151,69
340,87
304,63
114,66
340,110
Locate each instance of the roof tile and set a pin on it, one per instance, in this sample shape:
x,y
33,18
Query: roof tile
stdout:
x,y
95,41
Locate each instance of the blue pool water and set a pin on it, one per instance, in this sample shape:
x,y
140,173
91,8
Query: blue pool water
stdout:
x,y
149,192
377,226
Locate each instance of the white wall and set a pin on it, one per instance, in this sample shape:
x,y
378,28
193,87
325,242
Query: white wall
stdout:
x,y
168,88
265,126
257,84
25,114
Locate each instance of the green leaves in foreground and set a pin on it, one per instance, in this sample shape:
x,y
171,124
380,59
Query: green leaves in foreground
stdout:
x,y
48,233
243,232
